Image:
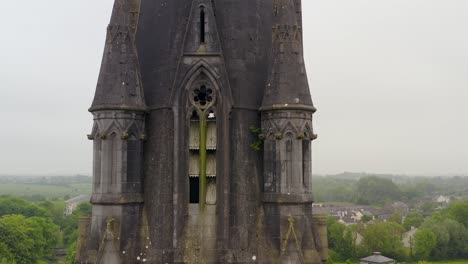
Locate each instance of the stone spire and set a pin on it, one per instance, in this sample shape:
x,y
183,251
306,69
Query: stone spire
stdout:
x,y
287,84
119,85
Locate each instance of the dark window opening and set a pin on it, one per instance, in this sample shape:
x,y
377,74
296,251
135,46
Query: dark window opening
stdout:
x,y
194,115
202,25
194,190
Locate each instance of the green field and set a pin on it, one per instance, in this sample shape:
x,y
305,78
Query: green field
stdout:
x,y
48,191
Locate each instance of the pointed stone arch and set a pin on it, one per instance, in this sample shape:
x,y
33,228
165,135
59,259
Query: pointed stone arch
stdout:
x,y
134,128
132,136
289,127
113,127
307,130
113,133
289,133
270,132
201,67
95,132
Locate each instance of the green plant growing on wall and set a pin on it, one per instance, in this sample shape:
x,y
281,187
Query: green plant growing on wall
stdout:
x,y
260,138
203,127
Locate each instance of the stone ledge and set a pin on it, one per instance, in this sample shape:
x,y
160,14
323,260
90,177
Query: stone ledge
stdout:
x,y
284,198
302,107
117,199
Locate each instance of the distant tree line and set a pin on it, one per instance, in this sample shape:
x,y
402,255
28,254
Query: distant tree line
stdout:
x,y
47,180
442,236
378,190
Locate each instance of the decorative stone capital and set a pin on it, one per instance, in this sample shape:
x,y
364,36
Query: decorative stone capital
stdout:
x,y
123,123
276,124
278,136
300,135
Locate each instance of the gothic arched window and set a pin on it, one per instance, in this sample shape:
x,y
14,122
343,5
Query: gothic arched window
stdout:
x,y
202,143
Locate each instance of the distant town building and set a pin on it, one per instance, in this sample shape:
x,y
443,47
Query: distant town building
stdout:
x,y
377,258
399,207
442,199
353,214
71,204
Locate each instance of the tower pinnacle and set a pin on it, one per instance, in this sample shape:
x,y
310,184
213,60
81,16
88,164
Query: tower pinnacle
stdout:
x,y
119,85
287,84
287,131
118,136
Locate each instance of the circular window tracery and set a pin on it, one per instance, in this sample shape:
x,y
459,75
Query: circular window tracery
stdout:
x,y
202,95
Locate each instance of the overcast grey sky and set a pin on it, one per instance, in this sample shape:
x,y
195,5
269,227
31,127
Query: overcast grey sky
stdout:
x,y
389,77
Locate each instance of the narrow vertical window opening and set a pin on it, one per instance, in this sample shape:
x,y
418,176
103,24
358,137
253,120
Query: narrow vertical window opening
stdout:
x,y
115,158
289,161
202,25
306,164
194,190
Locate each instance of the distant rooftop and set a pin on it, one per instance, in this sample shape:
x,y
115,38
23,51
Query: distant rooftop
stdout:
x,y
377,258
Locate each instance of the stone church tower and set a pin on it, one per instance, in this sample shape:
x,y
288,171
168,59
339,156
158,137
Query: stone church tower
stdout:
x,y
202,137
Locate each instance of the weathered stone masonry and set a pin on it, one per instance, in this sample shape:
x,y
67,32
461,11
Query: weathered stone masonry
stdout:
x,y
178,176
